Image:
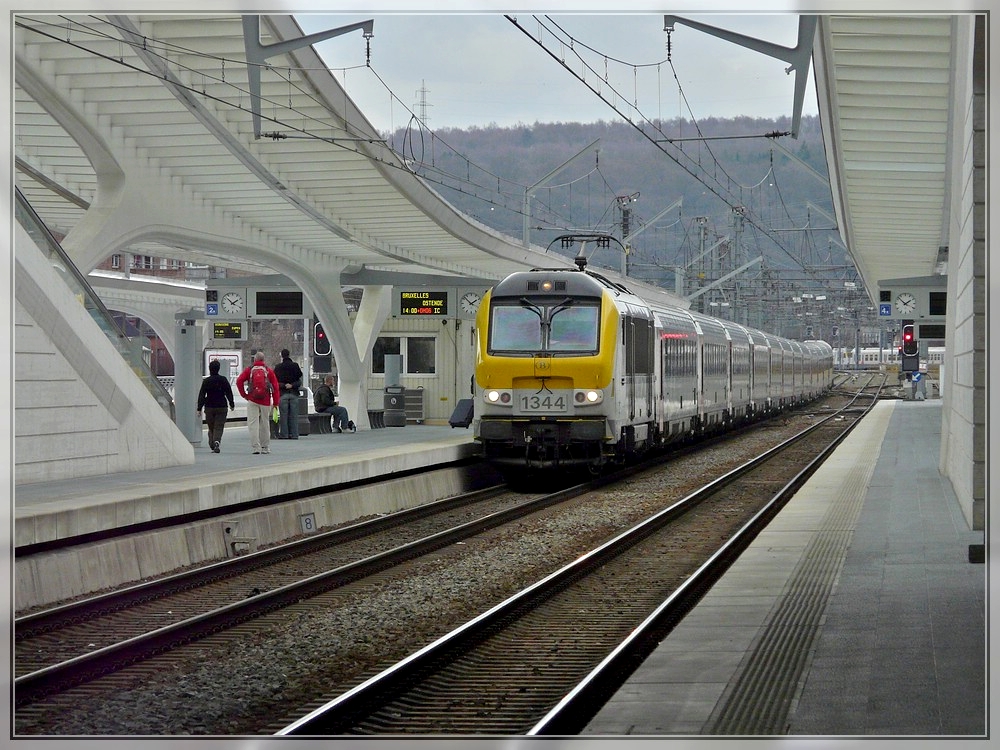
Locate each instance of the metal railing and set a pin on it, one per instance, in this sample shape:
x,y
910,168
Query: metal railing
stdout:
x,y
131,350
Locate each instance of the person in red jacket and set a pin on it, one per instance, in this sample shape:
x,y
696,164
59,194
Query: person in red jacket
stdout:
x,y
259,386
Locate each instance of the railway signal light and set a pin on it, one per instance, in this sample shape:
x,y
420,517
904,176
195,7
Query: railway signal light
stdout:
x,y
321,344
910,346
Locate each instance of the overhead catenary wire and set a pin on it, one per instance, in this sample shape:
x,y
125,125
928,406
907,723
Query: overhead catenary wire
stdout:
x,y
679,156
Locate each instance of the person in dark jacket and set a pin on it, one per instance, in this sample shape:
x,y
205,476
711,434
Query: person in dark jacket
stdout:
x,y
326,403
289,376
216,398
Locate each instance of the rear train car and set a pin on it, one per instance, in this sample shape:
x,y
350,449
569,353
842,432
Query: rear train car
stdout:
x,y
573,369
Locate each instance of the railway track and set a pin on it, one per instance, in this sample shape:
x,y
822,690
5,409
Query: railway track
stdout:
x,y
124,662
543,661
57,648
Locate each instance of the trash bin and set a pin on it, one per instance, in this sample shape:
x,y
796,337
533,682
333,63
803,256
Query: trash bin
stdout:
x,y
395,406
304,425
303,416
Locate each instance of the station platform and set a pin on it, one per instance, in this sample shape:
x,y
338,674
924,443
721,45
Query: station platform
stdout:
x,y
857,612
147,506
45,511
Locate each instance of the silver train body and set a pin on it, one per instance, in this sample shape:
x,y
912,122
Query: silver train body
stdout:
x,y
575,370
871,357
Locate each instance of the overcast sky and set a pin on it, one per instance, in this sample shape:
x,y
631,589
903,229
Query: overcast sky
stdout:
x,y
481,69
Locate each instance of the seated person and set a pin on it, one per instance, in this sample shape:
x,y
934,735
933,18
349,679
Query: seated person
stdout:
x,y
326,403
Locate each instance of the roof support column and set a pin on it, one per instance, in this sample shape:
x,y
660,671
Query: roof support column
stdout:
x,y
376,306
351,345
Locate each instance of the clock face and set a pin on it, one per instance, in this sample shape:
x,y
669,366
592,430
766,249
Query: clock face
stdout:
x,y
906,303
232,302
470,301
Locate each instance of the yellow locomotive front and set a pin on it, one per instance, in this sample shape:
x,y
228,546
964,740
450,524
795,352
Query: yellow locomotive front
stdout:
x,y
545,362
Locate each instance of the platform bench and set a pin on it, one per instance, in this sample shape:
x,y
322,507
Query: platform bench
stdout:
x,y
320,423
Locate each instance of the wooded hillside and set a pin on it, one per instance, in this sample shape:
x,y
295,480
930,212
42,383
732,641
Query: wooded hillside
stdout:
x,y
715,167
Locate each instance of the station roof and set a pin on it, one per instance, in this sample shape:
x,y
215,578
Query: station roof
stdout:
x,y
166,101
884,84
163,105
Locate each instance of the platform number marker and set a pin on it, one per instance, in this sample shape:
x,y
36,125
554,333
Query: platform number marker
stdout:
x,y
308,521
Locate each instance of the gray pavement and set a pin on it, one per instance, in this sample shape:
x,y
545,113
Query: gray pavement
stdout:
x,y
856,613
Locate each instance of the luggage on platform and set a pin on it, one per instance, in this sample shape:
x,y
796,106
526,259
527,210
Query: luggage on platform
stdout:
x,y
462,416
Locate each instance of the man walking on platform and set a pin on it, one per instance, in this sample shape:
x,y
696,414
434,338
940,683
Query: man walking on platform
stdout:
x,y
289,376
258,385
213,396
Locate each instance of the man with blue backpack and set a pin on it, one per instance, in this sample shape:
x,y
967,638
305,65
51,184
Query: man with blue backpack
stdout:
x,y
259,386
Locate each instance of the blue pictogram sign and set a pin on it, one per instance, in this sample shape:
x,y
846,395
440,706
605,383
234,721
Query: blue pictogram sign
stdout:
x,y
885,309
212,308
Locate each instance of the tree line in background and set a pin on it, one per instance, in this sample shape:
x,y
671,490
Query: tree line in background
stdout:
x,y
715,166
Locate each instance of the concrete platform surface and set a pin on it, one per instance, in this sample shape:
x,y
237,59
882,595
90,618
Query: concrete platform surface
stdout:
x,y
45,511
170,518
856,613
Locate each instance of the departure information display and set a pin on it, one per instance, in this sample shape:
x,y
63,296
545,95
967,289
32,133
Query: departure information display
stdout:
x,y
423,303
229,329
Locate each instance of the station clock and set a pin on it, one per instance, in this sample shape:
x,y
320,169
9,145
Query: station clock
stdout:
x,y
470,302
233,303
906,303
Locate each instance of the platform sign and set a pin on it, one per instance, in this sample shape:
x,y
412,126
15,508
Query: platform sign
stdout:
x,y
230,361
212,308
885,310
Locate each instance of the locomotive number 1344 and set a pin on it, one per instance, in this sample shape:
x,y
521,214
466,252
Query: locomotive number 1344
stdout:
x,y
542,402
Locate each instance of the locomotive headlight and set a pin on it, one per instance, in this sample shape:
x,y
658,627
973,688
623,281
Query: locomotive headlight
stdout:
x,y
497,397
584,398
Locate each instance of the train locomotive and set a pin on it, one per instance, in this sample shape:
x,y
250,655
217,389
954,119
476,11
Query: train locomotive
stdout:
x,y
573,370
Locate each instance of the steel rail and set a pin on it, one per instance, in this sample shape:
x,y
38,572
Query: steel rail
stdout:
x,y
339,714
579,706
31,625
36,685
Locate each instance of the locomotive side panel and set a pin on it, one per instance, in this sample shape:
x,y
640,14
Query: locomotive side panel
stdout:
x,y
633,417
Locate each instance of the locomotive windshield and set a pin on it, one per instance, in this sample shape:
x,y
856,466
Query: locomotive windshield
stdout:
x,y
558,326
